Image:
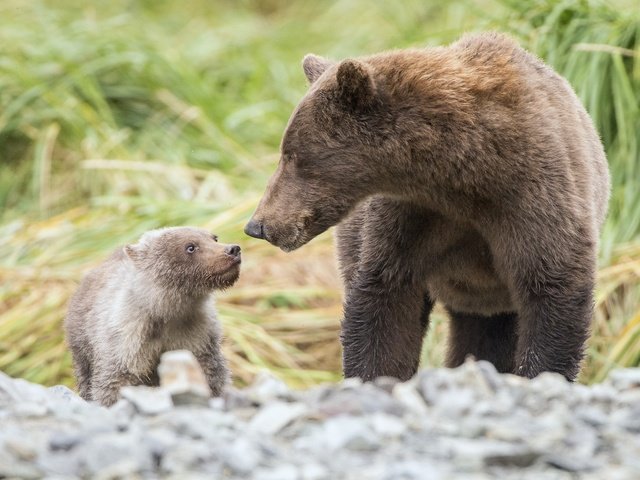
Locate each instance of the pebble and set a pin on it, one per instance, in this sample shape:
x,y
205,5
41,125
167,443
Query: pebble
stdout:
x,y
407,395
266,388
148,400
181,375
468,423
625,378
242,456
348,432
275,416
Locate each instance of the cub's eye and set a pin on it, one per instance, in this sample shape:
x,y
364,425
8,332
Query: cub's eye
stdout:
x,y
190,248
215,238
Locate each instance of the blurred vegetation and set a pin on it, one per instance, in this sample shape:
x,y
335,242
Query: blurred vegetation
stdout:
x,y
118,117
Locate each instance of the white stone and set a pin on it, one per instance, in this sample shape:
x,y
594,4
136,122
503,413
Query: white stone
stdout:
x,y
148,400
275,416
181,375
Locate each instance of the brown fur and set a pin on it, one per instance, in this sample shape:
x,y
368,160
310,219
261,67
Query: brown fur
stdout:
x,y
468,174
146,299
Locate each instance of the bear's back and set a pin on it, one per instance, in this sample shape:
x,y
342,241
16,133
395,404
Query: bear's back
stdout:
x,y
545,100
512,101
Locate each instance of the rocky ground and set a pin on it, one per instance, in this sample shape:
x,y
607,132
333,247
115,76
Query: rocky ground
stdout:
x,y
468,423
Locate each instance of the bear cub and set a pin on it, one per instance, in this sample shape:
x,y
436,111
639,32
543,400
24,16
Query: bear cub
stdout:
x,y
145,299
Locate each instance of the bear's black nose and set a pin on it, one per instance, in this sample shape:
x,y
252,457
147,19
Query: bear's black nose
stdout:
x,y
233,250
254,229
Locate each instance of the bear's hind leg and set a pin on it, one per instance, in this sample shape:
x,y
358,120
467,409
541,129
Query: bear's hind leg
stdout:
x,y
493,339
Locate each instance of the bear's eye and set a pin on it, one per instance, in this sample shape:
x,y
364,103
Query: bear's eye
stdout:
x,y
289,157
190,248
215,238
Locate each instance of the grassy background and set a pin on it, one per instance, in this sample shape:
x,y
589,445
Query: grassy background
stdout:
x,y
118,117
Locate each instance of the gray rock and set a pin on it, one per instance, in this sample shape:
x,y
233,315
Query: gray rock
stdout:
x,y
242,456
191,456
10,468
468,423
181,375
21,448
148,400
266,388
64,393
591,415
410,470
625,378
551,385
65,441
349,432
386,383
474,453
123,411
127,468
117,451
360,399
387,425
570,463
275,416
279,472
28,408
407,395
314,471
14,390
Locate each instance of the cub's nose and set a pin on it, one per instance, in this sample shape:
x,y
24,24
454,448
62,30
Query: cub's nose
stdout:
x,y
233,250
254,229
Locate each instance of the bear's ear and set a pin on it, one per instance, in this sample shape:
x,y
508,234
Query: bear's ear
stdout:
x,y
134,252
355,85
314,66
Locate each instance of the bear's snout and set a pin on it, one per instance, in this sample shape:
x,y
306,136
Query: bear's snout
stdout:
x,y
254,229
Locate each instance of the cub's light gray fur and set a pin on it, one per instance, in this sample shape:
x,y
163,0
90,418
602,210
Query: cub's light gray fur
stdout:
x,y
146,299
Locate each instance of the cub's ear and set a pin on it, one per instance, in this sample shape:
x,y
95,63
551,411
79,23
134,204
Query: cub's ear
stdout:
x,y
314,66
134,252
356,87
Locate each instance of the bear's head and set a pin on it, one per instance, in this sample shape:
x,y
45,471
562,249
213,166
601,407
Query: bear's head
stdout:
x,y
187,260
331,154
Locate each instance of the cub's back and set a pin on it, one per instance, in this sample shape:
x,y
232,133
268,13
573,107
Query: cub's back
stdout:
x,y
92,299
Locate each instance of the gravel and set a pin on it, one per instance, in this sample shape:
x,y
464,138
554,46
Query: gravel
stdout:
x,y
467,423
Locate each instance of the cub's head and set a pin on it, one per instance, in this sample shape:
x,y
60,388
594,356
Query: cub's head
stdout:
x,y
329,154
186,259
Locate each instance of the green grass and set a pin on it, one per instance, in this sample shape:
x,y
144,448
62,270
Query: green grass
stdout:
x,y
118,117
596,46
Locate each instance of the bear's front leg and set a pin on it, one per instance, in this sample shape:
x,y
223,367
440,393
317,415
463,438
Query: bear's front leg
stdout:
x,y
382,331
552,279
554,326
386,306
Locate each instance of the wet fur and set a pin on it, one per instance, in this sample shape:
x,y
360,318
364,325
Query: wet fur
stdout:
x,y
147,299
469,175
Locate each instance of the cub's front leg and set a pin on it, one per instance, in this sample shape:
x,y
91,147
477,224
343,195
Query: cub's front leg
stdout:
x,y
214,365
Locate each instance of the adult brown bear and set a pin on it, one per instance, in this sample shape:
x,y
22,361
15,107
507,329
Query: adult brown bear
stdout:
x,y
468,174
